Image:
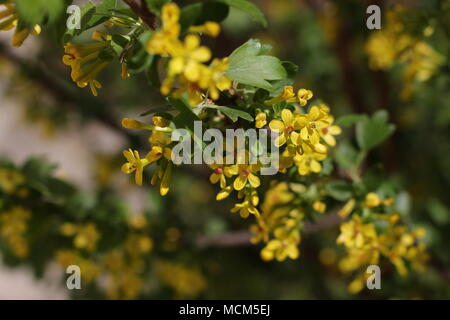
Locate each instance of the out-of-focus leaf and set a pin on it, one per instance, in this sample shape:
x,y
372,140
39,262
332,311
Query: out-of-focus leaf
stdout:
x,y
348,120
370,132
248,7
339,190
438,211
199,13
36,11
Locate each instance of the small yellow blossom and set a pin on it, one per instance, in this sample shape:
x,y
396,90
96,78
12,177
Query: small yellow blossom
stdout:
x,y
285,245
209,28
286,127
286,95
303,96
261,120
134,164
319,206
372,200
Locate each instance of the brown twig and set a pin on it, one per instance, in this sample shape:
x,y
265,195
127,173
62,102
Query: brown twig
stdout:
x,y
141,9
242,238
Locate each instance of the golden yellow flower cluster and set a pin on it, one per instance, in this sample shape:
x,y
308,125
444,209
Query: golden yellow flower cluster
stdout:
x,y
365,243
84,236
303,135
13,226
10,19
187,71
122,266
186,282
282,219
393,45
10,180
86,62
160,153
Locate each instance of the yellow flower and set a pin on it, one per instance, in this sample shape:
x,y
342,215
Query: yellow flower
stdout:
x,y
134,124
187,282
213,78
11,20
163,41
220,173
285,245
134,164
312,124
209,28
261,120
303,96
287,95
308,161
86,237
163,175
260,232
246,173
329,132
249,204
85,61
319,206
13,225
286,127
224,193
372,200
187,58
192,89
10,180
347,208
355,234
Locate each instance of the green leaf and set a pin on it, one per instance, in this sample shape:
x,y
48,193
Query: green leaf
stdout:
x,y
248,66
199,13
248,7
370,132
348,120
339,190
102,13
346,156
291,68
91,16
438,211
36,12
186,117
232,113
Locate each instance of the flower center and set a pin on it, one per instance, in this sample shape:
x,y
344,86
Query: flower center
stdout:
x,y
289,129
245,173
218,170
312,125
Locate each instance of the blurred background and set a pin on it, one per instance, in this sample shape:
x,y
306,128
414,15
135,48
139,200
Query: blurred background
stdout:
x,y
68,145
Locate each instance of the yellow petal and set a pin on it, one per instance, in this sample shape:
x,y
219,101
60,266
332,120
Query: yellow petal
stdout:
x,y
214,178
239,183
315,166
280,140
255,182
164,187
286,116
276,125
